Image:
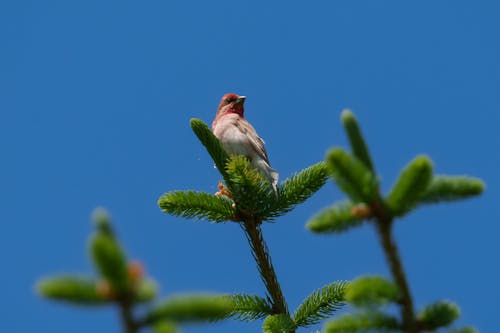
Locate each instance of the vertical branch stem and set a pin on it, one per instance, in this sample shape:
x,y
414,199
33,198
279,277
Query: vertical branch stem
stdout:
x,y
384,228
266,269
129,324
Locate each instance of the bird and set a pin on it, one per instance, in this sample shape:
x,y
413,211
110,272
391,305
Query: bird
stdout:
x,y
238,137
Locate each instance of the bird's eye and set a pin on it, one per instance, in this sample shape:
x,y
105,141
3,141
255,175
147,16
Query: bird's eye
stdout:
x,y
229,100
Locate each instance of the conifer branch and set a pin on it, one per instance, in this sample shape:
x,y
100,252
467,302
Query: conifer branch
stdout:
x,y
363,322
320,304
384,229
335,219
352,176
122,284
436,315
451,188
253,200
415,185
145,291
190,308
109,259
212,144
361,184
102,221
279,323
164,327
72,289
199,205
358,145
265,266
252,193
297,189
129,323
466,329
250,307
410,186
372,290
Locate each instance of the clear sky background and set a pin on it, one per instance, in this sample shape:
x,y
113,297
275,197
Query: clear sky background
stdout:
x,y
95,102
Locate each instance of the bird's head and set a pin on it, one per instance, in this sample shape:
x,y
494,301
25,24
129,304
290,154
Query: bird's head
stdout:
x,y
231,103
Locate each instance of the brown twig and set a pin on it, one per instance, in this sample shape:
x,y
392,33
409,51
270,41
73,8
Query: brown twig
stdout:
x,y
129,323
384,222
266,269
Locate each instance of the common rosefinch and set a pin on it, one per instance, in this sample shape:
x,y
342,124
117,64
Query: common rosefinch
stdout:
x,y
238,137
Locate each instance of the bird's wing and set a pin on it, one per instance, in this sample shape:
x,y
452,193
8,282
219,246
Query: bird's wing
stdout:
x,y
256,141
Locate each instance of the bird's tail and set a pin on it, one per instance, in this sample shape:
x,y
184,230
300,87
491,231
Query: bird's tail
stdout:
x,y
269,172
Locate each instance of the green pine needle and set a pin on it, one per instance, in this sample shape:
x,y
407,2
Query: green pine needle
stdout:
x,y
335,219
145,291
252,193
250,307
212,144
466,329
72,289
102,220
297,189
438,314
109,259
410,186
372,290
363,322
165,327
452,188
358,144
352,176
320,304
191,308
279,323
199,205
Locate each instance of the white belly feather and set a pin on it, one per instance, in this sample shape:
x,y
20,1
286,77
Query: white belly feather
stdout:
x,y
236,142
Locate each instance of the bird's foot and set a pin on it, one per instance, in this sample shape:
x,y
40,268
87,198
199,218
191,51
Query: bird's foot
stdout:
x,y
223,191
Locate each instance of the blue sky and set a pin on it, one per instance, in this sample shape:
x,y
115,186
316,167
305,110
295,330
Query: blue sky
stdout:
x,y
96,97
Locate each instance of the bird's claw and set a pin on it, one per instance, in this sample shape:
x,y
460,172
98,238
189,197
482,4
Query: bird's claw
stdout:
x,y
223,191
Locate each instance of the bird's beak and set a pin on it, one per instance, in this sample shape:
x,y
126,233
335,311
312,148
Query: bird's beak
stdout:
x,y
240,100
